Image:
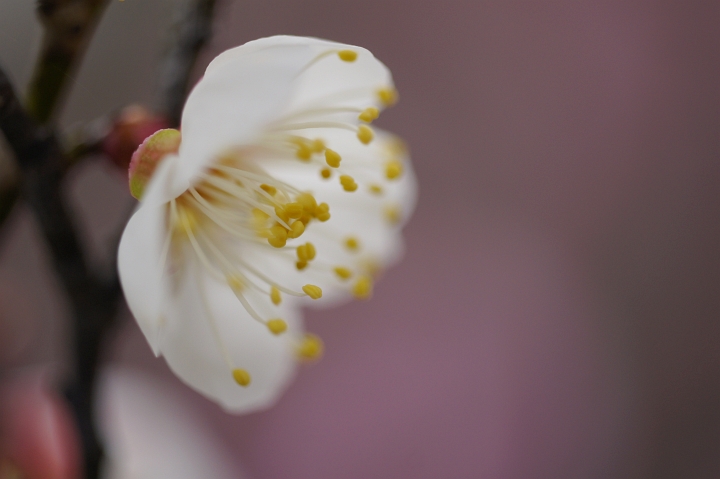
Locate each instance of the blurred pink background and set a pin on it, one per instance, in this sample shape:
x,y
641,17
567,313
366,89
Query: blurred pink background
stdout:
x,y
556,315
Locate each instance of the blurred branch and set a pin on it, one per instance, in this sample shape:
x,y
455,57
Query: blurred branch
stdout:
x,y
9,194
189,35
93,301
68,26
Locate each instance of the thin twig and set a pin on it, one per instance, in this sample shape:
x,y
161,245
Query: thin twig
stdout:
x,y
189,35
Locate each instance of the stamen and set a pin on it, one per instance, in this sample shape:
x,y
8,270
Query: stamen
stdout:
x,y
376,189
362,289
315,124
365,134
271,190
343,272
388,96
248,175
318,146
241,376
306,252
332,158
369,114
310,348
275,295
352,243
277,326
322,212
347,55
313,291
296,229
326,173
393,169
348,183
236,283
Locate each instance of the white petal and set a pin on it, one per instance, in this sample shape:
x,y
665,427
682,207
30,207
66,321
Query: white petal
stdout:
x,y
231,105
332,82
140,269
166,182
194,351
151,433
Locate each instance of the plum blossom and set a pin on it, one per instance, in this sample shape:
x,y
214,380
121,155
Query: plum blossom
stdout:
x,y
276,193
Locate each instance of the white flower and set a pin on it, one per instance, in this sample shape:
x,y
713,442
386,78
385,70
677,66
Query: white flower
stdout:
x,y
280,190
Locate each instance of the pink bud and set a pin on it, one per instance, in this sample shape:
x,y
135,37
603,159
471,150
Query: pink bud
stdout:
x,y
38,439
130,128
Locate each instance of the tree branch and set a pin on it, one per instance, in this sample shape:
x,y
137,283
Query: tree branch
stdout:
x,y
189,35
93,301
68,27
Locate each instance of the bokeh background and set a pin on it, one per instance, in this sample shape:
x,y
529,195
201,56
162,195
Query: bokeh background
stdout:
x,y
557,311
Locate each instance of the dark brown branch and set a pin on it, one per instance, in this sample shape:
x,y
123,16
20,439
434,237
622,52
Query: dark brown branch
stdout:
x,y
93,301
68,26
189,35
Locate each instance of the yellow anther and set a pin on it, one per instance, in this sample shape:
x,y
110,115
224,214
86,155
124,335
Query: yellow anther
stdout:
x,y
296,229
342,272
348,183
241,376
352,243
310,348
278,231
388,96
301,265
259,215
306,252
307,201
281,213
186,220
322,212
275,296
270,190
313,291
332,158
304,153
318,145
276,326
235,282
326,173
365,134
293,210
362,288
393,169
277,242
376,189
310,249
347,55
369,114
393,214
